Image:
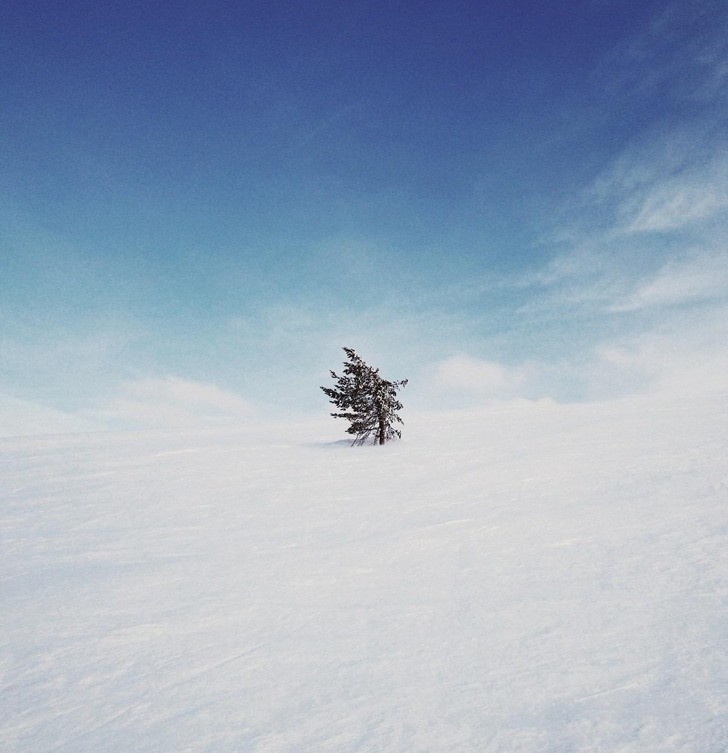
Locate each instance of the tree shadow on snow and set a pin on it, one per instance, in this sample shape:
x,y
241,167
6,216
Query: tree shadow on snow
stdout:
x,y
329,445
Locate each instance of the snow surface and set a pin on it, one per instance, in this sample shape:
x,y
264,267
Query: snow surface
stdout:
x,y
533,577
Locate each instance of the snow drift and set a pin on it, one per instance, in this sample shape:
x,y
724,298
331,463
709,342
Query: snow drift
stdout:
x,y
530,578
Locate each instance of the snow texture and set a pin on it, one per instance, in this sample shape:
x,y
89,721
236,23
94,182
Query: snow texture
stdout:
x,y
533,577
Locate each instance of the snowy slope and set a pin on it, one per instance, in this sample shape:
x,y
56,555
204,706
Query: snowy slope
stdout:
x,y
532,578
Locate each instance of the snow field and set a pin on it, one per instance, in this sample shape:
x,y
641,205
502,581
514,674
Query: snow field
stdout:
x,y
534,577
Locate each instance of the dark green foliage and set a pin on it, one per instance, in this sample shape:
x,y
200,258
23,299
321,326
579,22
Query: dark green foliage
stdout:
x,y
368,402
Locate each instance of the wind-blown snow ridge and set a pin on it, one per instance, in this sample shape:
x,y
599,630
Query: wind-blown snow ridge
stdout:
x,y
532,578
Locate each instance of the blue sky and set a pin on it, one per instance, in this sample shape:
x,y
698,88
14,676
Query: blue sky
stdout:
x,y
202,202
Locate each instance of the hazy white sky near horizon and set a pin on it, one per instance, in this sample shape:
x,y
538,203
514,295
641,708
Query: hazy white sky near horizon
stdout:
x,y
200,205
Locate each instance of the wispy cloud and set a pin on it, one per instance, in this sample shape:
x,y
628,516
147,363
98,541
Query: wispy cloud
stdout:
x,y
651,230
672,174
683,200
636,288
700,277
680,54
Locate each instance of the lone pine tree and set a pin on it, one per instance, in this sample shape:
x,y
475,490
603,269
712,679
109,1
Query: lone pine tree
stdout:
x,y
367,401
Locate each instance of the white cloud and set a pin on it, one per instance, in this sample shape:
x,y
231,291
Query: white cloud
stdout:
x,y
173,402
682,353
462,376
685,362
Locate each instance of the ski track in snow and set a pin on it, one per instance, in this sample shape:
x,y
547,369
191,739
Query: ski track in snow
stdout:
x,y
531,578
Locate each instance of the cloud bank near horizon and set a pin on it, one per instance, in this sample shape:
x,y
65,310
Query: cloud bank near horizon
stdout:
x,y
481,252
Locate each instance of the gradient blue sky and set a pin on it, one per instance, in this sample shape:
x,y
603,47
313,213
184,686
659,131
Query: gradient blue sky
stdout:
x,y
200,203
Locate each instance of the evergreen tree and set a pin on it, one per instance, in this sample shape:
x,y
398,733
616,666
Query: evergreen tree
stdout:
x,y
367,401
